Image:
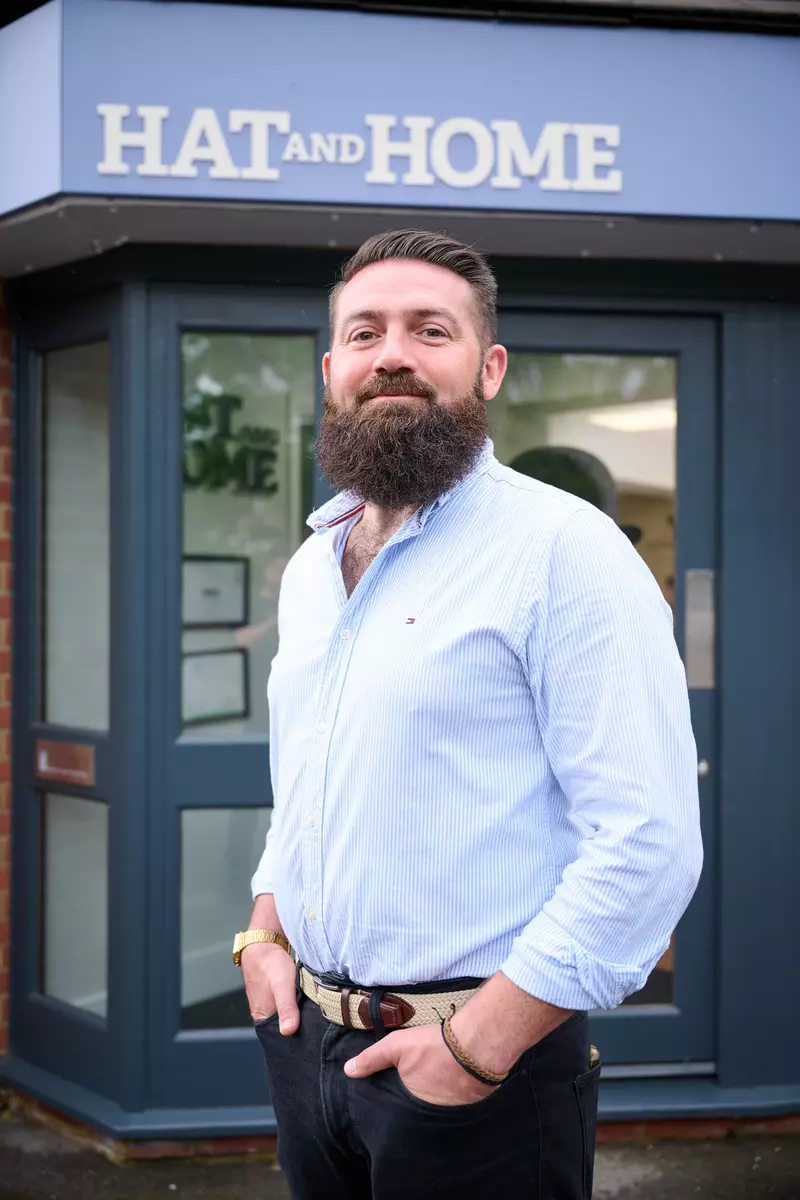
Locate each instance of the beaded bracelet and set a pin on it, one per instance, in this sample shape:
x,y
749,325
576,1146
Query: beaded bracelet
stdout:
x,y
465,1059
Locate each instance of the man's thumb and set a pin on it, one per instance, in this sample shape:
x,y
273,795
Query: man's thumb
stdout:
x,y
374,1058
288,1012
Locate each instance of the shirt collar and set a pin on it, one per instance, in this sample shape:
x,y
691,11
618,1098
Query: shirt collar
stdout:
x,y
347,504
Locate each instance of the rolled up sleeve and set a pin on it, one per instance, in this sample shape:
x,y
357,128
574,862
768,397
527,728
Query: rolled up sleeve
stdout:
x,y
613,711
262,883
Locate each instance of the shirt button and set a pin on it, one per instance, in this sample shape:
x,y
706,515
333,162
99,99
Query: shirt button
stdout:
x,y
344,635
312,914
311,819
322,727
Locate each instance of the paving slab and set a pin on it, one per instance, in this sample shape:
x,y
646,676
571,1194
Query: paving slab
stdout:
x,y
38,1163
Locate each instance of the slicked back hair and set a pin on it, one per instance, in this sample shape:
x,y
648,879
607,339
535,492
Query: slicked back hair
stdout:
x,y
419,245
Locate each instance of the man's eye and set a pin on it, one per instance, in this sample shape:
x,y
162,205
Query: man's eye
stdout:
x,y
362,335
433,332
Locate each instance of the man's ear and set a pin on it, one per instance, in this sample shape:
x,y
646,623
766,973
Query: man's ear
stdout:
x,y
495,364
326,366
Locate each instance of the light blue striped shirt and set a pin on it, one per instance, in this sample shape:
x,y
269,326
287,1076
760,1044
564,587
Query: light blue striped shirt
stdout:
x,y
483,759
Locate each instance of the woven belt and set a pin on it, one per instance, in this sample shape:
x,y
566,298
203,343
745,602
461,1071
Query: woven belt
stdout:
x,y
399,1010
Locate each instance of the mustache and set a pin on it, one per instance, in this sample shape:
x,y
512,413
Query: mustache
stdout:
x,y
399,383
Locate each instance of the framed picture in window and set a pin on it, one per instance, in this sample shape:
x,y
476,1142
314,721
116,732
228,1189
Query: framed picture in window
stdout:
x,y
216,591
215,686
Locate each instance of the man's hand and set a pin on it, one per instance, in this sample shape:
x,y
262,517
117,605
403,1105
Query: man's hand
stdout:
x,y
424,1064
269,980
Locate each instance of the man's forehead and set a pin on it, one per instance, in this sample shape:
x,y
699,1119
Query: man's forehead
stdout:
x,y
403,285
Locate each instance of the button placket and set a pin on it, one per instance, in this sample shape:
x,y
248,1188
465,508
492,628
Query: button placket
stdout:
x,y
334,676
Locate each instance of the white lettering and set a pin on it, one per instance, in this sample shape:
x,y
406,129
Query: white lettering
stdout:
x,y
484,152
512,151
352,148
147,139
260,124
499,152
384,149
296,149
204,142
590,157
323,147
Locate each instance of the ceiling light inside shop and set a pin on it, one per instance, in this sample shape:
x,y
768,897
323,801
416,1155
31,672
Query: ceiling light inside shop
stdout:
x,y
649,417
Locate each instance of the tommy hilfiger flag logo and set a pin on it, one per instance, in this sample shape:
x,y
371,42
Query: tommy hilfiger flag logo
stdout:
x,y
410,620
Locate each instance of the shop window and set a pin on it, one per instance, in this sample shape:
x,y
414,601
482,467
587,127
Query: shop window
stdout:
x,y
220,849
75,902
74,538
604,428
248,472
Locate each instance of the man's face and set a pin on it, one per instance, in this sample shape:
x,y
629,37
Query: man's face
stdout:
x,y
410,318
406,385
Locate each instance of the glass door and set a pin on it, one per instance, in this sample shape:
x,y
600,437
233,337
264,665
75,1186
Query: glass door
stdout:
x,y
237,381
621,411
68,807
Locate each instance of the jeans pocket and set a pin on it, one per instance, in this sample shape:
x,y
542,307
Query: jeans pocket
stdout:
x,y
265,1023
587,1089
453,1111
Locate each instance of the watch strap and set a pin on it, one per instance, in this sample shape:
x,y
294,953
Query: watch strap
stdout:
x,y
251,936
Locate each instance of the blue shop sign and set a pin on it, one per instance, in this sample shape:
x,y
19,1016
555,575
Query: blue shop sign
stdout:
x,y
148,99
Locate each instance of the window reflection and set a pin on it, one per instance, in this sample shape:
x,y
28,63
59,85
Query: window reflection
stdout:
x,y
75,902
75,537
248,408
220,849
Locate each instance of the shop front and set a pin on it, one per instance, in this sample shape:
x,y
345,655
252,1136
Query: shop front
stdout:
x,y
200,172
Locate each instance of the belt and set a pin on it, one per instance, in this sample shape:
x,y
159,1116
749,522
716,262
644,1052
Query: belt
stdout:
x,y
349,1006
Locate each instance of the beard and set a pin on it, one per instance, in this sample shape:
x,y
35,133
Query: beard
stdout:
x,y
399,455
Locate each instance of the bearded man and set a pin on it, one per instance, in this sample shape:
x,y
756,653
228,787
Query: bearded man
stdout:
x,y
485,781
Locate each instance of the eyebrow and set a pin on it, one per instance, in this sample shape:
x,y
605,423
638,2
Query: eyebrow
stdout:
x,y
421,314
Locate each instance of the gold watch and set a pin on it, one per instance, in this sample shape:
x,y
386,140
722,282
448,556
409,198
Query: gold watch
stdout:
x,y
257,935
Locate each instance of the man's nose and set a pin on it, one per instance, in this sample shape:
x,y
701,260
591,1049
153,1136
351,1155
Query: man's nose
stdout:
x,y
395,353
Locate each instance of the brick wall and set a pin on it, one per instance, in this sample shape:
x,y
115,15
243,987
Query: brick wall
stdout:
x,y
5,666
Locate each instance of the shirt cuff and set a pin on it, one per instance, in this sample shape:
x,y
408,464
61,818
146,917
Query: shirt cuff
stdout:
x,y
546,962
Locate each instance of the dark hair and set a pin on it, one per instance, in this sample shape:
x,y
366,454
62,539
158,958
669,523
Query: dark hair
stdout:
x,y
441,251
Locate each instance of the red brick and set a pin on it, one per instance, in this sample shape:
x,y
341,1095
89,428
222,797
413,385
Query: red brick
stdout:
x,y
5,794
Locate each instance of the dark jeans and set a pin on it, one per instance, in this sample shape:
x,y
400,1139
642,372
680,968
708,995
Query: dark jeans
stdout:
x,y
357,1139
